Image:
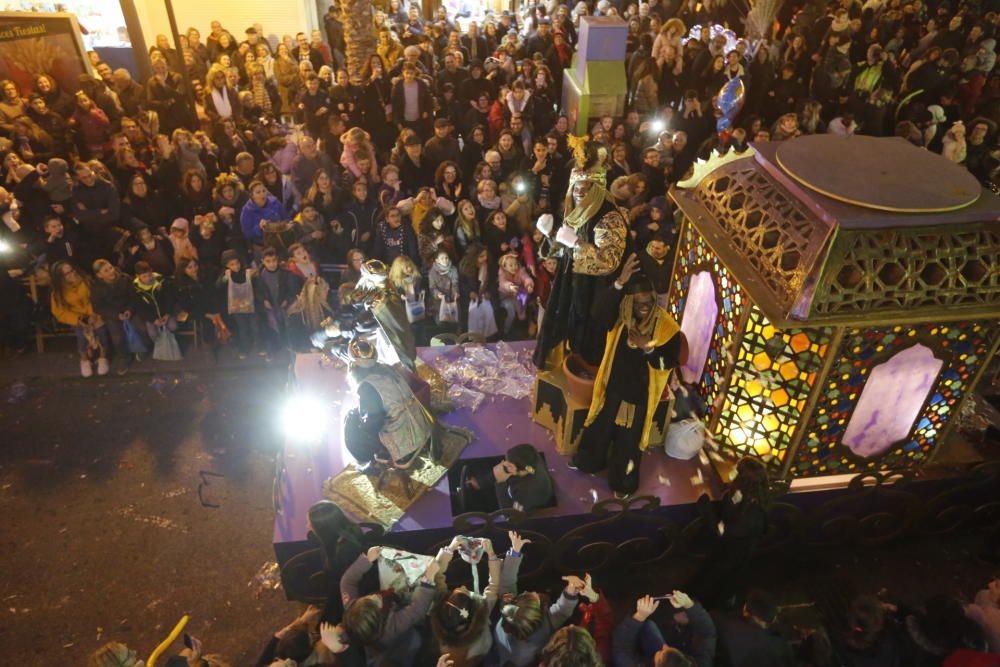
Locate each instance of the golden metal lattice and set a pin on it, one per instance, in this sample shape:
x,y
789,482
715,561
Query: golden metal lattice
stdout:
x,y
894,271
774,235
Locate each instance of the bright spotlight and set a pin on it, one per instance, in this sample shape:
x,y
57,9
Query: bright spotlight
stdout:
x,y
4,246
303,419
658,126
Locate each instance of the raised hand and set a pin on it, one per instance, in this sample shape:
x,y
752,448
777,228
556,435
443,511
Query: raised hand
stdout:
x,y
333,637
630,267
517,542
567,236
682,600
644,608
545,223
574,585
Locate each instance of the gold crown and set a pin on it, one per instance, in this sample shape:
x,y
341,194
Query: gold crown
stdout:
x,y
595,175
361,352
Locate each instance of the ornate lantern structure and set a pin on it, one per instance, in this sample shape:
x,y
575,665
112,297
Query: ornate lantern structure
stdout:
x,y
840,299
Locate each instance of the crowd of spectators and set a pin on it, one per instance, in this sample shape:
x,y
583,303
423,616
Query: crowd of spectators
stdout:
x,y
723,618
145,209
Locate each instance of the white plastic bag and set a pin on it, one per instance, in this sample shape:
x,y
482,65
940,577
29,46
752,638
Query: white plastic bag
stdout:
x,y
481,318
685,439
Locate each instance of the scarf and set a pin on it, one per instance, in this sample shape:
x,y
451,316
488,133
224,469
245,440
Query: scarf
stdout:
x,y
579,215
222,105
491,204
515,106
261,99
646,327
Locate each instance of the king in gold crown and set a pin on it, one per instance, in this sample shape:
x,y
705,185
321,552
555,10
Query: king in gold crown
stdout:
x,y
585,156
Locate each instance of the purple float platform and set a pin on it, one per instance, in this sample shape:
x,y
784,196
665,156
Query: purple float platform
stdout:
x,y
499,423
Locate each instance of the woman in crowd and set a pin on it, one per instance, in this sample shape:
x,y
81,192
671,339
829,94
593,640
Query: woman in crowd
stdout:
x,y
114,300
71,305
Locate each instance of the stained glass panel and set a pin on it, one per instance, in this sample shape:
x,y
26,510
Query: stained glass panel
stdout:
x,y
892,397
695,255
772,375
962,345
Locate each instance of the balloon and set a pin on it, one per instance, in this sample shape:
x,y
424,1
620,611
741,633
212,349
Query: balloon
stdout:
x,y
729,102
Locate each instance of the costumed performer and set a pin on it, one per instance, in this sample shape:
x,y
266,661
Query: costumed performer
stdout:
x,y
389,423
375,310
643,345
591,244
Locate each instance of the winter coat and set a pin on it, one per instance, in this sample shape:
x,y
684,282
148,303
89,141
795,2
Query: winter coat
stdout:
x,y
75,304
111,299
156,300
252,215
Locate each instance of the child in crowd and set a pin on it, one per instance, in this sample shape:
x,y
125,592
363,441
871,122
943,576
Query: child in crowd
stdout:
x,y
390,191
183,248
515,287
237,282
527,619
442,280
467,229
311,229
461,618
60,243
358,146
382,622
301,264
434,237
275,288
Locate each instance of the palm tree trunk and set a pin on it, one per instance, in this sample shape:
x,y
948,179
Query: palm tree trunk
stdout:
x,y
360,39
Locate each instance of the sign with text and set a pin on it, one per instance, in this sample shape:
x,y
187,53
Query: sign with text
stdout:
x,y
33,44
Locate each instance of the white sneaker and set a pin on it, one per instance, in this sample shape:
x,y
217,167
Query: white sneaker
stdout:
x,y
102,366
86,369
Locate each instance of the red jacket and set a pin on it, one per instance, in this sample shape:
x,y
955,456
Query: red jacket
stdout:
x,y
598,620
496,121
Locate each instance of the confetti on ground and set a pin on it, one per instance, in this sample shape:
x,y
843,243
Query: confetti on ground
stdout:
x,y
593,495
158,521
703,457
268,577
664,480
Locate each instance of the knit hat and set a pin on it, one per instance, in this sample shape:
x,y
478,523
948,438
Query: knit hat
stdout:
x,y
229,255
180,223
